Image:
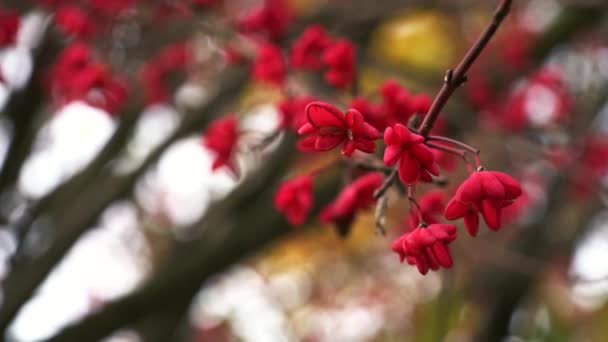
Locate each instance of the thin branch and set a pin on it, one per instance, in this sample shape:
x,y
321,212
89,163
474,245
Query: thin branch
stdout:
x,y
454,78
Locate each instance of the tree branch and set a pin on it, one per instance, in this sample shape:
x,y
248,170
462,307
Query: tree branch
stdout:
x,y
454,78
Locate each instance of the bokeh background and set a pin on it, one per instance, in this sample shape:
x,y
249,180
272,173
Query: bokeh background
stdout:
x,y
146,243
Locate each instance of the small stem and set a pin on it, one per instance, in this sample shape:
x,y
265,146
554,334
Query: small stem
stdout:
x,y
467,147
454,78
460,153
415,206
388,182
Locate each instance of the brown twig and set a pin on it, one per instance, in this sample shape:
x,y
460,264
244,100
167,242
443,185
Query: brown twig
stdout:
x,y
454,78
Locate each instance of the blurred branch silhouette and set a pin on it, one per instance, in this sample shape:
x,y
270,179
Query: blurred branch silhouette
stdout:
x,y
245,220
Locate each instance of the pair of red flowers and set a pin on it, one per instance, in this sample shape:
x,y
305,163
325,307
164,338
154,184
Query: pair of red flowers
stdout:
x,y
294,199
328,127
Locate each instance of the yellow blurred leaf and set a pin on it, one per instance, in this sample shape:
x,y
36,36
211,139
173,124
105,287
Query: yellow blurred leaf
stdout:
x,y
420,39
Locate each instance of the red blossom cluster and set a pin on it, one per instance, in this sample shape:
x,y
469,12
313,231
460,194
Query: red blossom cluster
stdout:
x,y
356,196
77,75
221,139
427,247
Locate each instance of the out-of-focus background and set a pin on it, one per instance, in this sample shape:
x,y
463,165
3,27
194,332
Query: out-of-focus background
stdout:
x,y
114,226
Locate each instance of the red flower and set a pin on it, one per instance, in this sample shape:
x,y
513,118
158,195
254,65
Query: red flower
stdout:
x,y
269,65
292,112
273,19
9,25
486,192
294,199
221,138
340,60
74,21
397,102
328,127
96,85
416,160
432,205
357,195
427,247
307,49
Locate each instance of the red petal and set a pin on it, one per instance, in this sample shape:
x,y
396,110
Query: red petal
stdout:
x,y
392,154
433,260
471,189
512,187
327,142
443,254
391,137
306,129
456,209
492,188
471,222
367,146
322,114
491,215
348,148
359,127
307,144
409,169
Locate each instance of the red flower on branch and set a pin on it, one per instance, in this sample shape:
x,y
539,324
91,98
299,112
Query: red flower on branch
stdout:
x,y
340,61
427,247
221,138
356,196
416,160
9,25
307,49
485,192
294,199
269,65
328,127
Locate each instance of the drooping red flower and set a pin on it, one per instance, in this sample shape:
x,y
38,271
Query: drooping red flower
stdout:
x,y
9,25
221,138
328,127
431,205
355,196
416,160
74,21
427,247
269,65
292,112
272,18
306,51
340,61
294,199
485,192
